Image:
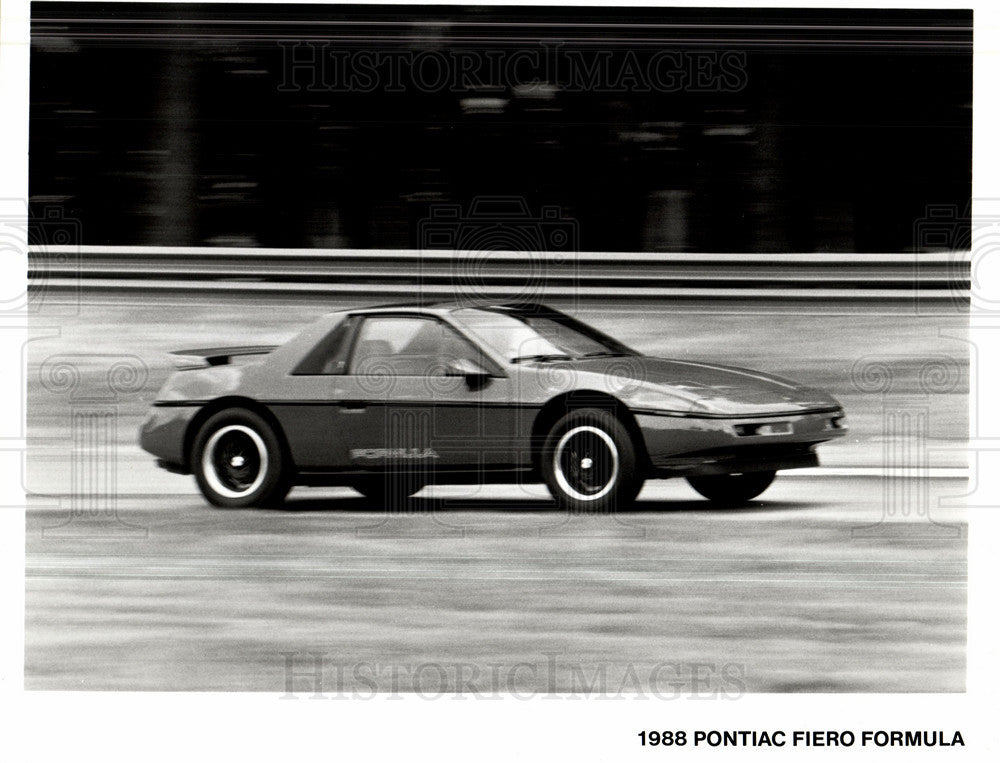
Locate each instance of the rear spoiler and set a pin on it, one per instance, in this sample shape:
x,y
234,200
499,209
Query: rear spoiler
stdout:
x,y
220,356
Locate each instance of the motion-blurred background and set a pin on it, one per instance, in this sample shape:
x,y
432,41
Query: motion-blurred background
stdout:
x,y
654,129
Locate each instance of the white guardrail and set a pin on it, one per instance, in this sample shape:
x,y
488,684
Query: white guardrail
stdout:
x,y
442,274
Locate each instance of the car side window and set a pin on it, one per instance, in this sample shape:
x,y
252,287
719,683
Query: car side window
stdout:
x,y
329,356
408,346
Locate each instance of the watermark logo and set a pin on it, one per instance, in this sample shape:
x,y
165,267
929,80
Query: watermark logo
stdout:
x,y
42,240
542,70
950,257
498,248
95,387
312,674
906,388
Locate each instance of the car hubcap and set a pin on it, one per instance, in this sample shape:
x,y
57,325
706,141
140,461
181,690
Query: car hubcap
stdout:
x,y
235,461
586,463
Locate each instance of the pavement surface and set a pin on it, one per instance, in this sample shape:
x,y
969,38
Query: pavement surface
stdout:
x,y
831,584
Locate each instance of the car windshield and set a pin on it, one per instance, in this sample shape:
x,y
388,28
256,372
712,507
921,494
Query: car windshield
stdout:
x,y
542,336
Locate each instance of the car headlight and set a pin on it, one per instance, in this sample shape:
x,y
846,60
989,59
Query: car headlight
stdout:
x,y
769,428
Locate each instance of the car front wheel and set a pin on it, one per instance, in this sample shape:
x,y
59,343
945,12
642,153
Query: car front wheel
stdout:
x,y
589,462
237,460
732,488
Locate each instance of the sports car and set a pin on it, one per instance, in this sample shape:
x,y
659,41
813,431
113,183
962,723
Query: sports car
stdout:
x,y
390,399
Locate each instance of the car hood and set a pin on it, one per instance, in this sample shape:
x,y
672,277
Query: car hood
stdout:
x,y
711,389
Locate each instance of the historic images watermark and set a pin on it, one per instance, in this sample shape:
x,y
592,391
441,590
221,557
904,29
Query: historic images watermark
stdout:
x,y
44,241
907,389
963,242
321,66
314,674
93,387
499,246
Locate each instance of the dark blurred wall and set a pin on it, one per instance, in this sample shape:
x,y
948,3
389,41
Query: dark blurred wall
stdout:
x,y
764,130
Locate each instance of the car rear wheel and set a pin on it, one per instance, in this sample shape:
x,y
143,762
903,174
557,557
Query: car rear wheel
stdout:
x,y
589,462
238,461
732,488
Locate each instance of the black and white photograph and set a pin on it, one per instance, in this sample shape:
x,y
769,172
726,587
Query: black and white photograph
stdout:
x,y
499,379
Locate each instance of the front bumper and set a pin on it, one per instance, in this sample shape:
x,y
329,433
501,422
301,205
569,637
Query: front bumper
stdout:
x,y
682,446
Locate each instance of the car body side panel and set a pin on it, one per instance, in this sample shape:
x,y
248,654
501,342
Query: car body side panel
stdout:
x,y
340,422
310,412
433,421
348,421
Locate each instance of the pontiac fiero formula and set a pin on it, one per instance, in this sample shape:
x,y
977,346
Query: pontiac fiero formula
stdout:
x,y
389,399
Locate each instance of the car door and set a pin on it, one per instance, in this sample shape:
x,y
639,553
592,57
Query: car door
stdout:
x,y
409,406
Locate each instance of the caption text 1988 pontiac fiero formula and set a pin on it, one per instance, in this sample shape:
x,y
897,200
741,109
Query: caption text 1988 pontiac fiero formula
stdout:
x,y
390,399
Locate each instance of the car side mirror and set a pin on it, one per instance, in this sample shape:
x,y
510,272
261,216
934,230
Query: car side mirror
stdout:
x,y
475,375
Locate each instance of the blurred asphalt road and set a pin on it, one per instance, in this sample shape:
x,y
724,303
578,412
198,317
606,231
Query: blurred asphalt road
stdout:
x,y
820,585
